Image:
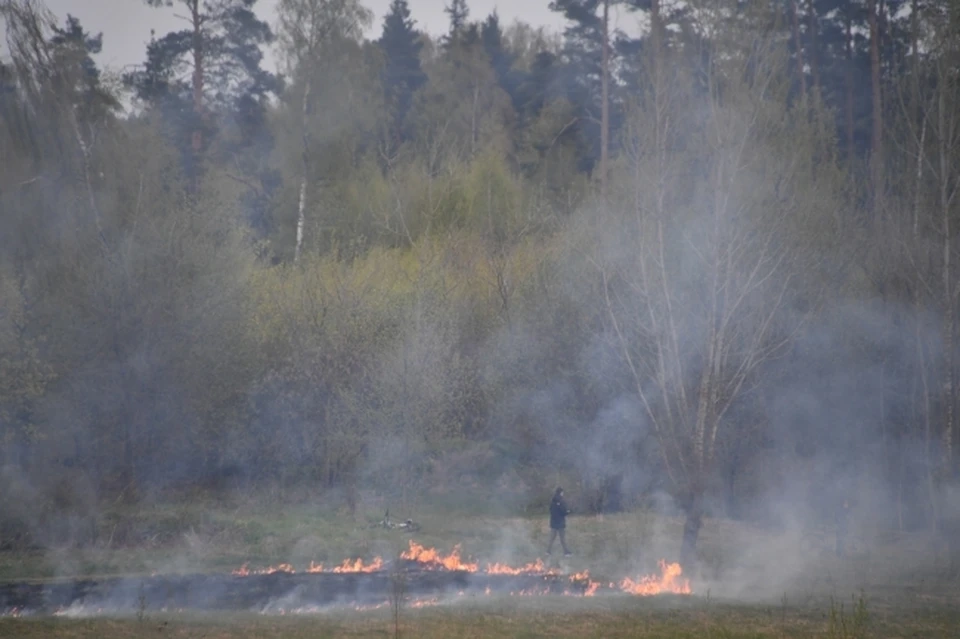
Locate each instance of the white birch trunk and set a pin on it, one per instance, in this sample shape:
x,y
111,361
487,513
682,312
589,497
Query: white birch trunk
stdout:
x,y
302,203
301,215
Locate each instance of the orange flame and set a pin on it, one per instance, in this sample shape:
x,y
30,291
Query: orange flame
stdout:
x,y
423,603
432,559
533,568
668,581
582,579
348,565
243,571
357,565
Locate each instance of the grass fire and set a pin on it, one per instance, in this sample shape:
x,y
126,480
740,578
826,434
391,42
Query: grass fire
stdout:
x,y
435,585
430,576
436,318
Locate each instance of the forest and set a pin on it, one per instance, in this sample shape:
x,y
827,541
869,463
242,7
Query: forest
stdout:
x,y
709,266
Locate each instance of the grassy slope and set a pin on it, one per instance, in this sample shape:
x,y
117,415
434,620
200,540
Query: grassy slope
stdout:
x,y
794,586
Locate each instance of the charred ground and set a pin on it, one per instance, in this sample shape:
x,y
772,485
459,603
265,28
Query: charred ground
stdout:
x,y
753,581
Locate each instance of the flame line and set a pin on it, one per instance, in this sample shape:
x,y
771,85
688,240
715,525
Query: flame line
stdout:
x,y
669,580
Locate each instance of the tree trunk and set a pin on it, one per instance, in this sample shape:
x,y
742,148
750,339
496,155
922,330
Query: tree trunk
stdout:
x,y
301,216
731,498
801,74
197,21
129,485
474,135
849,83
605,101
691,531
88,176
927,425
655,33
814,46
915,113
659,105
305,168
901,469
915,46
921,359
876,145
949,308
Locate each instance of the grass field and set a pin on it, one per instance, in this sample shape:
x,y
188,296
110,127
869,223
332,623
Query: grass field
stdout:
x,y
752,582
615,616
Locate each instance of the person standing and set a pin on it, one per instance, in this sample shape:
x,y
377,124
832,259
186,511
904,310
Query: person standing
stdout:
x,y
558,521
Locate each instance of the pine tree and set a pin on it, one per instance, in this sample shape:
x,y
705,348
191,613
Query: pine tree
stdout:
x,y
63,107
77,47
72,36
588,50
222,49
491,35
402,74
458,12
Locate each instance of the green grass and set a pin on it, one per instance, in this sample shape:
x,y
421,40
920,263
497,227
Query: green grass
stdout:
x,y
754,582
261,532
616,616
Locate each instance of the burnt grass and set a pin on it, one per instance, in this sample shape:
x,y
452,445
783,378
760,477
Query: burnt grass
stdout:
x,y
272,592
752,582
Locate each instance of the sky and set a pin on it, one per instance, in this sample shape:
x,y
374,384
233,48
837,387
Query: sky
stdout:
x,y
126,24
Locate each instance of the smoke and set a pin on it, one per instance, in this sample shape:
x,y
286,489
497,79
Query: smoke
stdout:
x,y
177,368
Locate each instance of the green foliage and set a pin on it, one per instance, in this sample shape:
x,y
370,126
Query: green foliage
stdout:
x,y
225,40
456,297
402,73
462,110
24,374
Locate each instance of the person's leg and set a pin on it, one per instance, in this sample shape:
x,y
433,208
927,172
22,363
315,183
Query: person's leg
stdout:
x,y
563,541
553,536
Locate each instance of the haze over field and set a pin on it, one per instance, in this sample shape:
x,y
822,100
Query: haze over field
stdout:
x,y
708,270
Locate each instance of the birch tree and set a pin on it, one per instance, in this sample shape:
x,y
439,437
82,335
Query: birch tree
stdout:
x,y
700,284
67,105
312,34
930,139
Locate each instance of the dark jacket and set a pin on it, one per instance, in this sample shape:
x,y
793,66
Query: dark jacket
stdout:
x,y
558,513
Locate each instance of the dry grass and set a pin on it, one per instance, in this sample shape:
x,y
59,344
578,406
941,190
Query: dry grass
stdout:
x,y
612,617
754,582
262,533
